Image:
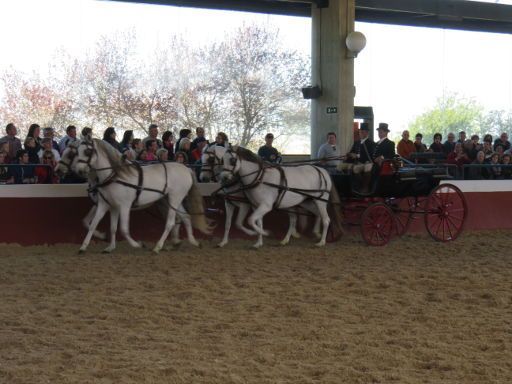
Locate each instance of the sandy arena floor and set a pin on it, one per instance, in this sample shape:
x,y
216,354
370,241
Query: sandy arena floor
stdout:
x,y
415,311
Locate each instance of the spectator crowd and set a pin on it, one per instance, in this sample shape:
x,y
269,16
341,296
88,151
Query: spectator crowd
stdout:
x,y
473,158
34,159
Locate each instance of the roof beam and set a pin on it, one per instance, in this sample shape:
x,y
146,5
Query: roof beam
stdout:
x,y
451,14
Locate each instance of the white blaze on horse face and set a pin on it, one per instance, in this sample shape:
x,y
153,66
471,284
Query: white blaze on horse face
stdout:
x,y
230,166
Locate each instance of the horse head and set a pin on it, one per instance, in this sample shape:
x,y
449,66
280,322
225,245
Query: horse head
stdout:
x,y
211,162
67,160
86,157
230,165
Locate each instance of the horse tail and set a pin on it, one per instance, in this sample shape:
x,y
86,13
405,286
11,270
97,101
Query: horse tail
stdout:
x,y
334,210
196,209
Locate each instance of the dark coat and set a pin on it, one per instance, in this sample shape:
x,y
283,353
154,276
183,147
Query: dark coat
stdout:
x,y
363,152
385,148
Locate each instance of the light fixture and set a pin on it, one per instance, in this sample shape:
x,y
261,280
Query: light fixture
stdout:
x,y
355,42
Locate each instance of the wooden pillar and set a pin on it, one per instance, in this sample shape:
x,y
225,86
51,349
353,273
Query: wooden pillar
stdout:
x,y
333,71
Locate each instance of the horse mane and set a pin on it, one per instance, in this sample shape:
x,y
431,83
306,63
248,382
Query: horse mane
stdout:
x,y
248,155
116,160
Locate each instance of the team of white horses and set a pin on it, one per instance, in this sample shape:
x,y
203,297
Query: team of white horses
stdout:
x,y
119,185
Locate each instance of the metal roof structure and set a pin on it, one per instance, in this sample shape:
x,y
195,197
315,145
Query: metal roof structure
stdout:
x,y
451,14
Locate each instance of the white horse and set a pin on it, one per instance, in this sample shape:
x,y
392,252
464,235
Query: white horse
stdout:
x,y
211,168
269,187
122,185
63,167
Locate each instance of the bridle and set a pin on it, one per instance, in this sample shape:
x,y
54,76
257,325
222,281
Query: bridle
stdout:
x,y
211,162
71,154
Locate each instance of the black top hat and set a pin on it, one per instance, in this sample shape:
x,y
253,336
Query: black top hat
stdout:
x,y
383,127
364,127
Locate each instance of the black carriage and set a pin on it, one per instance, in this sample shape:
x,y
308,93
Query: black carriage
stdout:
x,y
399,193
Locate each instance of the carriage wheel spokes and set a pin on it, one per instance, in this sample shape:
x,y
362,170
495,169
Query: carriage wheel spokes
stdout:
x,y
377,224
445,212
403,208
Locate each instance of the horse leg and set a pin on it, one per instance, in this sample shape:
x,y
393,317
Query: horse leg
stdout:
x,y
169,224
188,226
291,228
101,209
125,226
114,220
175,235
243,210
230,209
256,221
87,221
322,209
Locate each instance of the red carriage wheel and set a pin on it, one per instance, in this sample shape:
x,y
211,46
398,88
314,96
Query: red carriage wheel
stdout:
x,y
377,224
445,212
403,208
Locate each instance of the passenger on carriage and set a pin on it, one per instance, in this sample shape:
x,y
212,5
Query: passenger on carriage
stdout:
x,y
329,153
384,148
267,152
360,158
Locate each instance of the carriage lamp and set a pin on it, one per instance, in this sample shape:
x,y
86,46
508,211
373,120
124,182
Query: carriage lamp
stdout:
x,y
355,43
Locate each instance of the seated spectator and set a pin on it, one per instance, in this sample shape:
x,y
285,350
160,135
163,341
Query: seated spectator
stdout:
x,y
184,133
458,157
462,137
137,146
472,147
31,148
24,173
47,145
4,147
181,157
68,139
222,139
487,149
6,176
162,154
44,173
419,147
506,171
168,144
500,150
436,146
151,148
14,144
48,133
449,144
142,156
153,135
198,151
35,131
110,137
267,152
495,169
478,171
199,137
126,142
405,146
184,147
488,138
503,140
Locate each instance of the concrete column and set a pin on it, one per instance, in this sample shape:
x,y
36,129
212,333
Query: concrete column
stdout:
x,y
333,72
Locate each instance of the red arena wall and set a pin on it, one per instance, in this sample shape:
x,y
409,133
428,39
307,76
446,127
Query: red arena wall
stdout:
x,y
49,214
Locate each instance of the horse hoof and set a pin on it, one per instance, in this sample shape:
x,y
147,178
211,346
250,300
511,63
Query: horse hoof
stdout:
x,y
107,250
283,243
81,251
296,235
320,244
199,245
220,245
155,251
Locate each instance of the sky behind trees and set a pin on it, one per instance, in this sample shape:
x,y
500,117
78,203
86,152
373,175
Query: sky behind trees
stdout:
x,y
402,72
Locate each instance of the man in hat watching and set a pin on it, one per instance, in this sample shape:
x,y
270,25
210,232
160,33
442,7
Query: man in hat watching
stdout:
x,y
384,148
267,152
361,155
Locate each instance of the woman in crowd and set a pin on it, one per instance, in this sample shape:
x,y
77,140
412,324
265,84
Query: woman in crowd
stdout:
x,y
478,170
110,137
35,131
32,151
137,146
437,145
162,154
507,170
127,140
184,133
459,158
44,172
168,144
142,156
6,176
181,157
221,139
185,144
86,133
495,169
